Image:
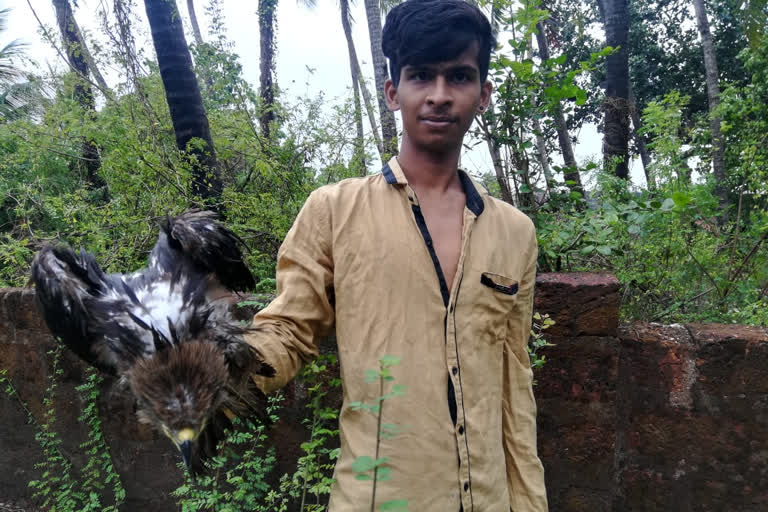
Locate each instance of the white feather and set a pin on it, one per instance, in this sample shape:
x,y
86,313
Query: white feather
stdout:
x,y
161,303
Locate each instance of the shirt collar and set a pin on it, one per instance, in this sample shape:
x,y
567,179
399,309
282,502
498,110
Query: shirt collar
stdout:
x,y
393,174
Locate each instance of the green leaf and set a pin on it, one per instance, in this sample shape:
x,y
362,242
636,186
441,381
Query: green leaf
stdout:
x,y
395,505
668,204
388,361
399,389
633,229
363,463
581,97
680,199
604,250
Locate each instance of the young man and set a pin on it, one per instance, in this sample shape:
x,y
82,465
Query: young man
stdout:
x,y
421,263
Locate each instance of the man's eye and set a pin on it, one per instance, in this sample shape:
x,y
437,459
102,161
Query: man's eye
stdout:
x,y
461,77
420,76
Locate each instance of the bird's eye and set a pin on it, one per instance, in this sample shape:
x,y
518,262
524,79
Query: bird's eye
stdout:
x,y
173,405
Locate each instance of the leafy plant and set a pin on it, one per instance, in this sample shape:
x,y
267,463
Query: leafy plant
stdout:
x,y
537,342
375,468
60,487
237,476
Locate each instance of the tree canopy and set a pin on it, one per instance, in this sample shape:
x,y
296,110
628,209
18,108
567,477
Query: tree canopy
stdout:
x,y
686,242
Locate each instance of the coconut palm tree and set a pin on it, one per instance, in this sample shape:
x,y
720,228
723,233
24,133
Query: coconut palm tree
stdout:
x,y
616,104
373,11
81,62
79,57
571,173
346,23
183,96
358,81
193,21
267,11
713,97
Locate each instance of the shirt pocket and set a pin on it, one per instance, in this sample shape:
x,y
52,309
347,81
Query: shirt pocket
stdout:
x,y
495,301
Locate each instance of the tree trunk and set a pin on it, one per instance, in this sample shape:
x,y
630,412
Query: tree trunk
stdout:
x,y
358,158
183,95
571,171
616,104
642,148
388,126
76,57
713,95
368,101
498,167
494,148
80,59
193,21
541,150
267,10
357,75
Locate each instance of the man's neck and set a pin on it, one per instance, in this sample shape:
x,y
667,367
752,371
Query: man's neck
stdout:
x,y
430,172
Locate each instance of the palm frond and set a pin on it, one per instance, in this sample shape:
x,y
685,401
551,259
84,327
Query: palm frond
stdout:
x,y
22,99
14,49
4,18
388,5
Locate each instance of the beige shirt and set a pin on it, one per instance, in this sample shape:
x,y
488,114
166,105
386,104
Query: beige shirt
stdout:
x,y
359,258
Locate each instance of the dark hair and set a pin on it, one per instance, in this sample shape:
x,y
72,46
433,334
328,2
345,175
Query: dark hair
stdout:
x,y
428,31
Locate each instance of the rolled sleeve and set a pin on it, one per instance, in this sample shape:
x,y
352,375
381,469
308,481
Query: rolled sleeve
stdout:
x,y
285,332
525,474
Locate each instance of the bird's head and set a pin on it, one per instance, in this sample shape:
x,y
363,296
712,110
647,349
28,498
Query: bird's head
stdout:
x,y
178,390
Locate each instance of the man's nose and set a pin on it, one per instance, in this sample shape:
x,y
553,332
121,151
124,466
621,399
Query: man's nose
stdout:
x,y
440,93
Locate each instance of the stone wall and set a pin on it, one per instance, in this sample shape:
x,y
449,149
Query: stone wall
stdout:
x,y
648,417
641,417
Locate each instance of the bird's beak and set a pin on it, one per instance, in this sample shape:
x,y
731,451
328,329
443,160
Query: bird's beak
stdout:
x,y
186,453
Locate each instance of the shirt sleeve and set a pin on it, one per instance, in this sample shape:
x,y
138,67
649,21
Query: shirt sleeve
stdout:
x,y
525,474
285,332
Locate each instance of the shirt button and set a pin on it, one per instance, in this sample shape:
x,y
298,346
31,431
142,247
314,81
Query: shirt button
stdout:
x,y
466,486
455,370
429,243
461,430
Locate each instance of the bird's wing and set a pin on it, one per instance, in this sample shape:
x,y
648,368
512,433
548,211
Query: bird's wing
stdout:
x,y
197,237
88,310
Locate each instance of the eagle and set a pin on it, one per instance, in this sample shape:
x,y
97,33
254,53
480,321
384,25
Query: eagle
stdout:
x,y
165,331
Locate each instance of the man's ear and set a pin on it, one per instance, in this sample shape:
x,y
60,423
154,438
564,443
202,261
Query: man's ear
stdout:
x,y
485,94
390,94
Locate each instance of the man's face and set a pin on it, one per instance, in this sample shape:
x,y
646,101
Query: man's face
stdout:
x,y
438,101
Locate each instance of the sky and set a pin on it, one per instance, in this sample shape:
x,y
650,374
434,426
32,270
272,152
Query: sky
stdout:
x,y
307,38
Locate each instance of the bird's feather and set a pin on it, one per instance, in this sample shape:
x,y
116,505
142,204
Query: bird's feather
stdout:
x,y
110,320
197,238
162,328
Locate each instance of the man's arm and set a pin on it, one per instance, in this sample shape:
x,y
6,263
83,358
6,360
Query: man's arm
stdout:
x,y
286,330
525,474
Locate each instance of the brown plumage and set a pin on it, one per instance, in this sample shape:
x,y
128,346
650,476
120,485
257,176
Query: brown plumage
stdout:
x,y
163,329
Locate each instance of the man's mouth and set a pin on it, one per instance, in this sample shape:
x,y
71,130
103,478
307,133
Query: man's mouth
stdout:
x,y
438,120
